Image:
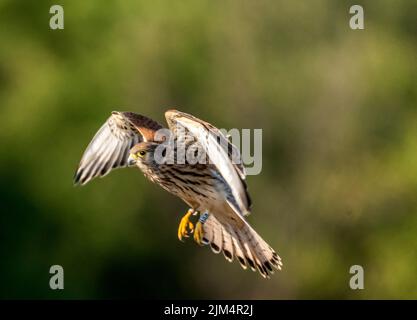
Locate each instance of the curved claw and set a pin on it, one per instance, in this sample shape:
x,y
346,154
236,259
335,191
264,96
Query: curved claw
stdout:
x,y
186,225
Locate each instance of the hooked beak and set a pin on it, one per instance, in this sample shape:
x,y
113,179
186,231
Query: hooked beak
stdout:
x,y
131,161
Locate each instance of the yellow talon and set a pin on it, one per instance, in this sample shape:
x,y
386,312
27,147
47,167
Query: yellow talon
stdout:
x,y
185,226
198,233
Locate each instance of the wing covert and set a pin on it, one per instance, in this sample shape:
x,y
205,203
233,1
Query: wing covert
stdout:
x,y
218,149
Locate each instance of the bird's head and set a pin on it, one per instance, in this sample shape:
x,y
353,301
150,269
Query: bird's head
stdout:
x,y
142,154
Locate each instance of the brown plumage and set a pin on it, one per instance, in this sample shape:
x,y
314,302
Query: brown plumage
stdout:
x,y
216,186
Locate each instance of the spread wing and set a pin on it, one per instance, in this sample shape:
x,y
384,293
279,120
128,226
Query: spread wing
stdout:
x,y
109,149
219,150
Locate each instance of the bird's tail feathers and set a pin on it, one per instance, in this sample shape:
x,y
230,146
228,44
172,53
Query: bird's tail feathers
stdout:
x,y
244,243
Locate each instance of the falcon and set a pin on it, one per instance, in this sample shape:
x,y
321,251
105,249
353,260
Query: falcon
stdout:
x,y
213,187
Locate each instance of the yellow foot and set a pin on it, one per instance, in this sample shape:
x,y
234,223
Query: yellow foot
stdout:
x,y
199,230
199,233
185,226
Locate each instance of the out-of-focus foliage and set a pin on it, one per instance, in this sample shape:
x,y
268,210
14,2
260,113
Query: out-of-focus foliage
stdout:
x,y
338,109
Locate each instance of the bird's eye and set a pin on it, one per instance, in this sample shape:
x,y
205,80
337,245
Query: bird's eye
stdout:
x,y
142,153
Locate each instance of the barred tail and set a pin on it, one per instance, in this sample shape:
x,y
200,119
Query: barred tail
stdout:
x,y
243,243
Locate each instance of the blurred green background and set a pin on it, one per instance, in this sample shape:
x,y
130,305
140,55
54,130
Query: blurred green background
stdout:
x,y
338,109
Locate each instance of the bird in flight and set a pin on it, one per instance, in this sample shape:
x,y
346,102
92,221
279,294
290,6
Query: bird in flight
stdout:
x,y
214,189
